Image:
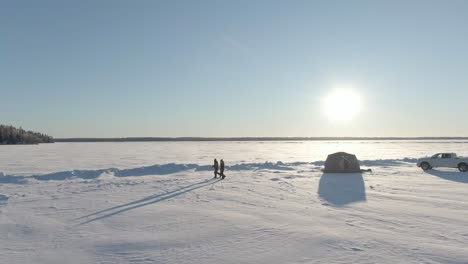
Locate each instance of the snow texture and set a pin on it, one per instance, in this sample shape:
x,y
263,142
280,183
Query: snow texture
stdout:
x,y
158,203
3,197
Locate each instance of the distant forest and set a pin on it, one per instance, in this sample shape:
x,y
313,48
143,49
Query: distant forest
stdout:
x,y
13,135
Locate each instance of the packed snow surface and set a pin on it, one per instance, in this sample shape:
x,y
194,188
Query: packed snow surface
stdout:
x,y
157,202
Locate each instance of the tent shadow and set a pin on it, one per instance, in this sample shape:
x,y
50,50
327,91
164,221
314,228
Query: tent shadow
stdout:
x,y
341,189
455,176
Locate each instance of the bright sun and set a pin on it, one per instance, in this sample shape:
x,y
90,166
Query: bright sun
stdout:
x,y
342,105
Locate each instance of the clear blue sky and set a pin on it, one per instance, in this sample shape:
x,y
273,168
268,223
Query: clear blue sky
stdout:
x,y
233,68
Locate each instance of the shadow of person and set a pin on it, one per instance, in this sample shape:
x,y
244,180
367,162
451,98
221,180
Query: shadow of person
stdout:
x,y
455,176
341,189
145,201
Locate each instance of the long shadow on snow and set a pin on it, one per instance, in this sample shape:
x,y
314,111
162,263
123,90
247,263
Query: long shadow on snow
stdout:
x,y
147,201
341,189
455,176
144,199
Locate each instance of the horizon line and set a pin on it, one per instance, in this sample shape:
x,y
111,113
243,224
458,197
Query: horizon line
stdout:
x,y
149,139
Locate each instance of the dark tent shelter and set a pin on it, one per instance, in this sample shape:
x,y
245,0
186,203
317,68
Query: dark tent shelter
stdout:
x,y
342,162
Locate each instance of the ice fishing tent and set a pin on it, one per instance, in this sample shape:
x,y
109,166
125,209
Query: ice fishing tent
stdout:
x,y
342,162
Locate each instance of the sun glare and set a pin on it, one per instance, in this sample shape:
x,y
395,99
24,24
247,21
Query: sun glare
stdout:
x,y
342,105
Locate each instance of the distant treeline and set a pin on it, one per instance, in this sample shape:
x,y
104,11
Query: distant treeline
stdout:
x,y
146,139
13,135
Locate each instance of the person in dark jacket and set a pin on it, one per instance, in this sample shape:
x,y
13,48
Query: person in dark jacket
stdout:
x,y
221,169
215,166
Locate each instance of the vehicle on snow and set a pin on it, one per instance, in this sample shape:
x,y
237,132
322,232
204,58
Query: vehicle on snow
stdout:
x,y
446,160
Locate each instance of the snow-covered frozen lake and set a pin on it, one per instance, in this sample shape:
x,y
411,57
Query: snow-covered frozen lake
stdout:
x,y
156,202
47,158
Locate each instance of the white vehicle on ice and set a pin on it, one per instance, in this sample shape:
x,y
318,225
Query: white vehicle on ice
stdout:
x,y
447,160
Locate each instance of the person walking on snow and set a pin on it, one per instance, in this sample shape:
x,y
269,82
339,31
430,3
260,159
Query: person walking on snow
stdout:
x,y
221,170
215,166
